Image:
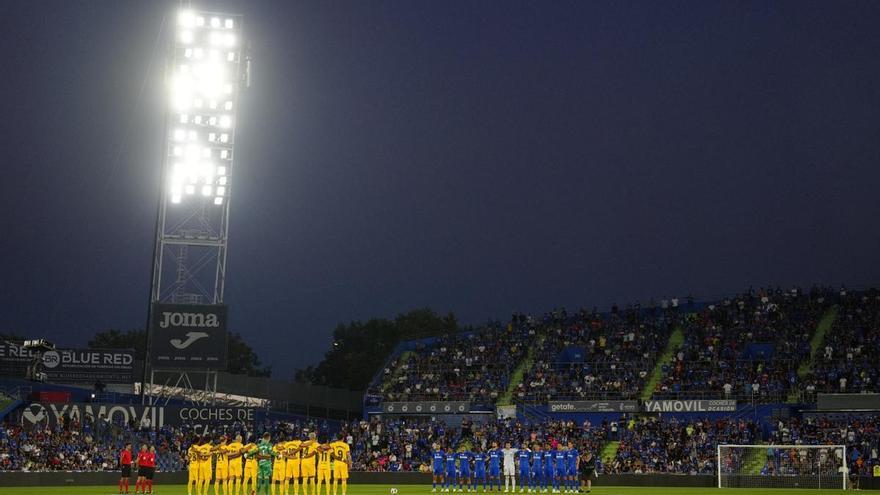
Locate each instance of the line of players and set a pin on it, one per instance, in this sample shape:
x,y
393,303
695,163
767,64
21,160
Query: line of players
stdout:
x,y
539,471
266,466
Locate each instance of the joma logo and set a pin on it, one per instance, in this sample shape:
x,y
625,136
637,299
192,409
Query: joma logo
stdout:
x,y
196,320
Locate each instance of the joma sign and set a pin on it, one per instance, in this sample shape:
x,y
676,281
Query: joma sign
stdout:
x,y
188,337
190,320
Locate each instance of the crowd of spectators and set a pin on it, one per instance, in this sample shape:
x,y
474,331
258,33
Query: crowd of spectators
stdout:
x,y
860,433
647,444
592,355
747,347
93,444
847,361
474,366
650,445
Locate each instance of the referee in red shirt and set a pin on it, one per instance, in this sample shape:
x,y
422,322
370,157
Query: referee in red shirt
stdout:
x,y
125,466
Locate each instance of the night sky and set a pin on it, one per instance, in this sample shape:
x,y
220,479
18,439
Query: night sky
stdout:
x,y
477,157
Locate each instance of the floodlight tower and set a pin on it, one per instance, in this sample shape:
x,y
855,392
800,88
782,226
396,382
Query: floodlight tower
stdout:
x,y
206,69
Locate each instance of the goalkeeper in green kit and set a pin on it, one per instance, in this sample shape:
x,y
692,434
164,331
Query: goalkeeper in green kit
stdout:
x,y
264,456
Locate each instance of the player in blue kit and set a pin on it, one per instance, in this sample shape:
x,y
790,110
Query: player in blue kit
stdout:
x,y
438,457
537,468
449,477
549,455
495,467
523,458
479,469
561,465
571,458
464,470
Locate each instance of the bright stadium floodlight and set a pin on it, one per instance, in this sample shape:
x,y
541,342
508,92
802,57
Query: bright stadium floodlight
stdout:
x,y
203,87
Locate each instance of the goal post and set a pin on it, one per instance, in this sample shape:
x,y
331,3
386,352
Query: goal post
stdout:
x,y
782,466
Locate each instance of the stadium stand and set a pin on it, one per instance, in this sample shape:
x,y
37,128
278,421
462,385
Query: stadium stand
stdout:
x,y
747,347
473,366
847,361
595,356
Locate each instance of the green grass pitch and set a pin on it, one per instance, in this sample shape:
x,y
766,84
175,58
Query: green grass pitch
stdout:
x,y
424,490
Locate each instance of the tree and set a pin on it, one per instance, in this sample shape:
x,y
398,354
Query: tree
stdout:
x,y
360,348
242,358
119,339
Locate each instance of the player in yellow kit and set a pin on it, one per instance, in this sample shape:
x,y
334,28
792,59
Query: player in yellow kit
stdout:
x,y
293,462
192,457
278,468
323,468
234,453
205,465
221,468
341,463
308,456
250,469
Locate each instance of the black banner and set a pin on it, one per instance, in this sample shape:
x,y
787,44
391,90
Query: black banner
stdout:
x,y
852,402
45,414
69,365
426,407
188,337
593,406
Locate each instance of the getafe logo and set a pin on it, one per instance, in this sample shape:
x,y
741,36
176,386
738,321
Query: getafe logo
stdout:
x,y
33,415
191,337
197,320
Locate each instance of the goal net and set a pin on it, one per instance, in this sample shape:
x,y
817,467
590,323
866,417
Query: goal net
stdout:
x,y
782,466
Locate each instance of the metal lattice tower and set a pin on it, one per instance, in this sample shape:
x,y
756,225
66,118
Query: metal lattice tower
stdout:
x,y
206,69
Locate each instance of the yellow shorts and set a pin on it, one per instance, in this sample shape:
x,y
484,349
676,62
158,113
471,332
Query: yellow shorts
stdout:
x,y
193,472
324,474
250,470
292,469
340,471
307,470
205,470
278,471
222,470
235,468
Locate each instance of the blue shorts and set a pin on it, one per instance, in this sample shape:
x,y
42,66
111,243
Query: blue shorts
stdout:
x,y
561,473
438,471
494,472
536,474
548,473
523,473
572,471
480,473
465,474
450,474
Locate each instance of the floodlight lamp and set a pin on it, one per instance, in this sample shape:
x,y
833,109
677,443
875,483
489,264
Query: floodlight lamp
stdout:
x,y
229,24
225,121
186,18
215,22
221,190
186,37
206,190
218,201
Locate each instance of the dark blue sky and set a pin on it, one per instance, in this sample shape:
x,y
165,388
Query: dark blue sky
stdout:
x,y
476,157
